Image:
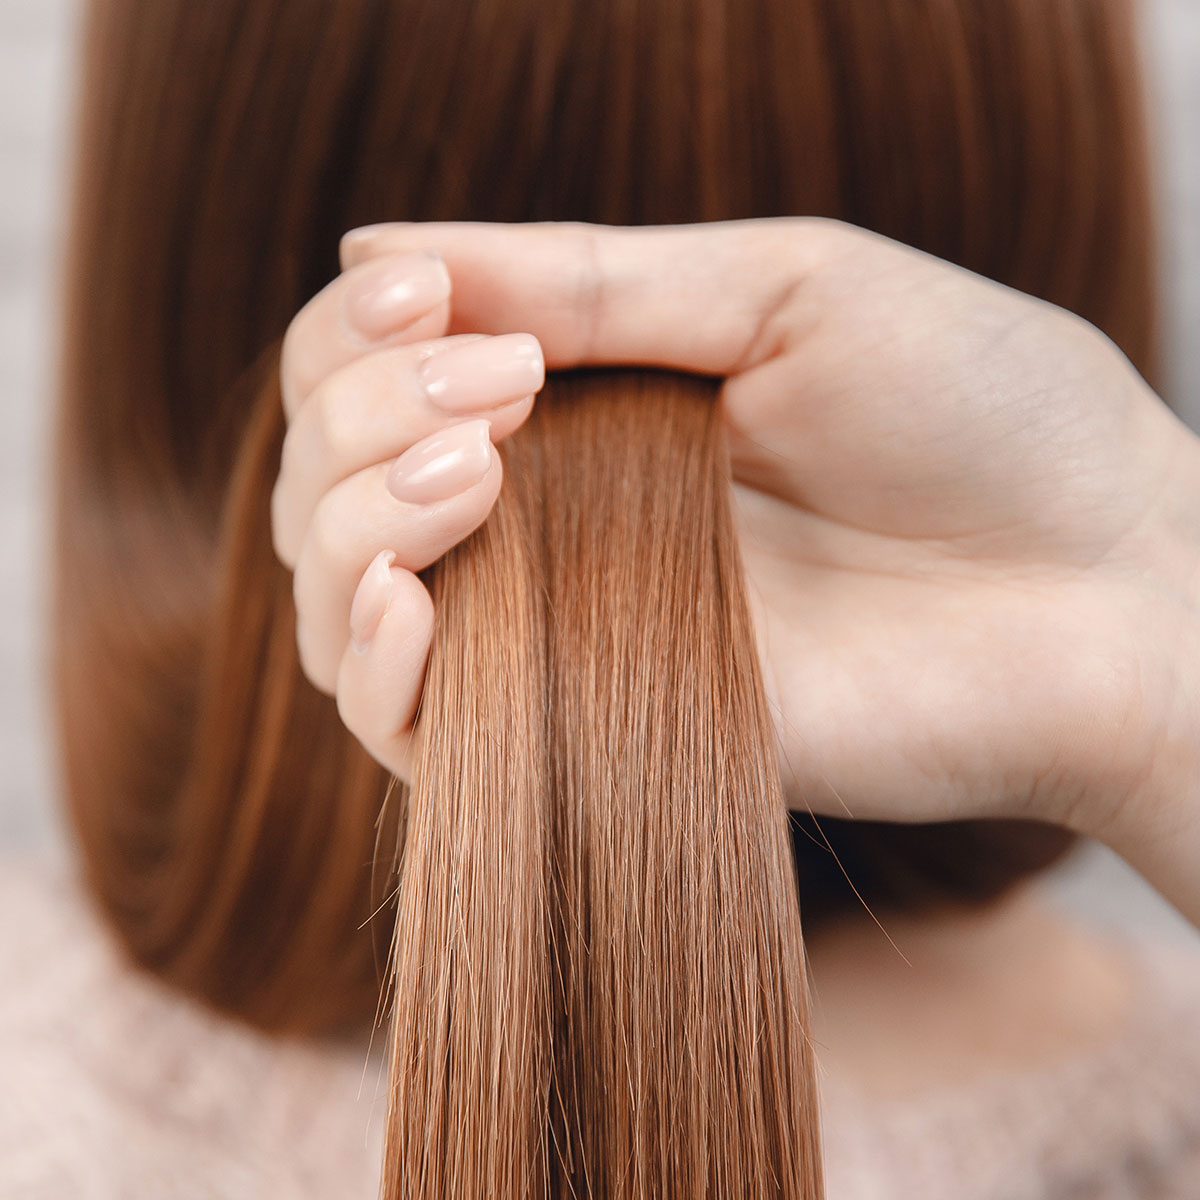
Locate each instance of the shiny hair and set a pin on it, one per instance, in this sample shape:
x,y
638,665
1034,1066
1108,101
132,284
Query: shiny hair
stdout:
x,y
597,976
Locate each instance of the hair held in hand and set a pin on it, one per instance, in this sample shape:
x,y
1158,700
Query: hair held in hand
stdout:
x,y
597,937
588,904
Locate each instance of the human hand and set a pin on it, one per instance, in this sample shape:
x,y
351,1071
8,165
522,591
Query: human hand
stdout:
x,y
971,532
386,464
969,528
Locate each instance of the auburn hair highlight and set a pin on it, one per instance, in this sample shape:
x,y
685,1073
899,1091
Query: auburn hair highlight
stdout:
x,y
587,898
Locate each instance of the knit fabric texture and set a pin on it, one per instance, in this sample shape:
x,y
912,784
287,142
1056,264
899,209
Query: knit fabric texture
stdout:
x,y
114,1086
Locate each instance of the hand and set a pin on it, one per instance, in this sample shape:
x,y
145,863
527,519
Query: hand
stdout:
x,y
969,528
387,463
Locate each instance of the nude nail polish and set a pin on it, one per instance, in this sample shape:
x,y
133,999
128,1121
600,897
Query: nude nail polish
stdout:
x,y
484,374
443,464
396,291
371,600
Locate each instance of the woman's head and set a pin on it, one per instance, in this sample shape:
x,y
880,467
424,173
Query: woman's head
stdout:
x,y
228,821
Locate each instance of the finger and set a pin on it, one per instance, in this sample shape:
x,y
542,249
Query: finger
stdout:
x,y
394,297
379,405
382,669
419,506
700,298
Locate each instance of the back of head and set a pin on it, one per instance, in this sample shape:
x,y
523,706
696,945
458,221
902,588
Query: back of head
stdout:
x,y
599,983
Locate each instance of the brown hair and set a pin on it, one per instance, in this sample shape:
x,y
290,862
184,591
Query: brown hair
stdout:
x,y
598,954
599,980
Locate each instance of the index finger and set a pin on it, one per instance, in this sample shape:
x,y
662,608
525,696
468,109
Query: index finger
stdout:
x,y
700,298
387,300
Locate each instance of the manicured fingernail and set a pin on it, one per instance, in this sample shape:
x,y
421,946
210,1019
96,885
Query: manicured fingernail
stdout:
x,y
484,374
395,291
444,464
371,599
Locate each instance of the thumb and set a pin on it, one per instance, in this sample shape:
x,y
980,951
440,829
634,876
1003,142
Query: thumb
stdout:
x,y
700,298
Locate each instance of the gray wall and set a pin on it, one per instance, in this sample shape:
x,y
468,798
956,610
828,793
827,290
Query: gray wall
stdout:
x,y
37,47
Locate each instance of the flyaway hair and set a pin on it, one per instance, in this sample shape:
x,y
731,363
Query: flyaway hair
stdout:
x,y
586,903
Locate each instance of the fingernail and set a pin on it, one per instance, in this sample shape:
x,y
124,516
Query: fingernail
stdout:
x,y
371,599
444,464
395,291
484,374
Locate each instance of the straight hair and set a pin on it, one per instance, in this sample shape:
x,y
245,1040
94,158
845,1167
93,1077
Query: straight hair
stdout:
x,y
596,975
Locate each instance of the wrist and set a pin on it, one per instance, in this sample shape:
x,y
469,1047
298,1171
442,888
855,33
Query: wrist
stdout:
x,y
1157,825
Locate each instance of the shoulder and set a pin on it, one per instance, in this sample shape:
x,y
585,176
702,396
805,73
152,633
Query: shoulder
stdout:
x,y
1112,1120
110,1076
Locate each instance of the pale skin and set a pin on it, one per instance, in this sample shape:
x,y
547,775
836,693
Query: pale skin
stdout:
x,y
971,531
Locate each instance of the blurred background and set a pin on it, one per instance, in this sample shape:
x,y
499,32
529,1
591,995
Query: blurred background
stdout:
x,y
38,47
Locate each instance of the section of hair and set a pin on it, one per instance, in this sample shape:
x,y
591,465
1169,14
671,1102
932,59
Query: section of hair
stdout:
x,y
224,147
470,985
599,984
600,981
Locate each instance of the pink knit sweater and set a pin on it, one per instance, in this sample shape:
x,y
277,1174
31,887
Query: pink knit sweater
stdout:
x,y
114,1087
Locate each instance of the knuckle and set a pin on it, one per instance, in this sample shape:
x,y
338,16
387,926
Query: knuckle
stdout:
x,y
1078,345
310,666
332,423
347,710
287,349
290,452
825,238
587,287
826,228
328,538
291,354
280,541
1090,339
